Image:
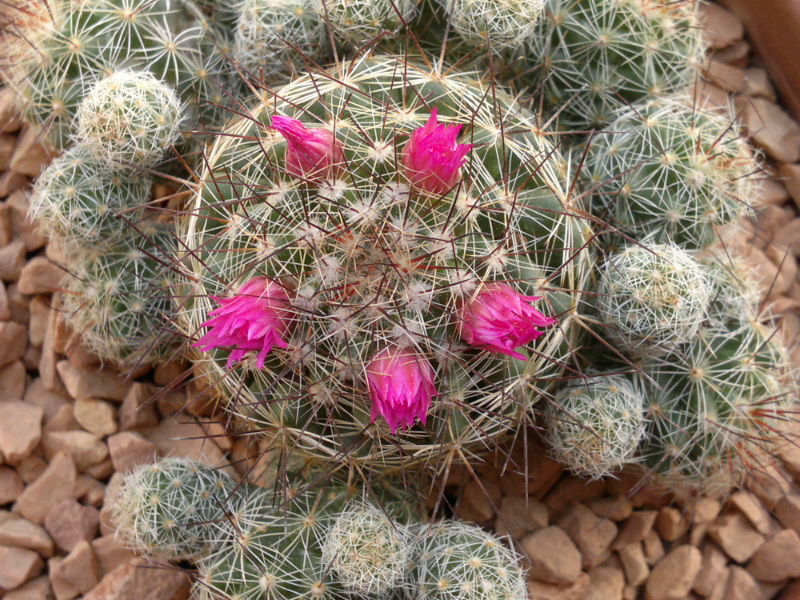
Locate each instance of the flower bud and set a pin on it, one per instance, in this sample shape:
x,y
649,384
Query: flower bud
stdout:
x,y
311,153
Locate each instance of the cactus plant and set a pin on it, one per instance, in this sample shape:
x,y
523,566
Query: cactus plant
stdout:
x,y
588,57
83,202
373,250
670,171
129,118
500,24
594,427
356,23
653,298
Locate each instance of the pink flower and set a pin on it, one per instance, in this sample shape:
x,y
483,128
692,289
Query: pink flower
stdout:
x,y
500,319
401,387
311,153
433,158
256,318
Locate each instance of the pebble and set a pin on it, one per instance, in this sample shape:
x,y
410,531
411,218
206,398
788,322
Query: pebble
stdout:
x,y
129,449
13,342
712,570
110,553
31,468
89,491
673,576
96,416
75,574
757,83
616,508
20,429
478,501
554,557
540,590
605,583
591,534
18,565
56,483
653,547
11,485
787,511
788,236
751,507
27,230
7,143
174,436
70,523
519,516
31,155
24,534
671,523
35,589
86,449
790,178
63,420
736,536
40,276
10,121
92,383
10,182
721,27
742,586
635,528
12,380
634,563
138,408
770,127
778,558
136,581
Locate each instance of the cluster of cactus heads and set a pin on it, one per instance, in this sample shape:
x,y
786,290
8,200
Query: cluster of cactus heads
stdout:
x,y
250,542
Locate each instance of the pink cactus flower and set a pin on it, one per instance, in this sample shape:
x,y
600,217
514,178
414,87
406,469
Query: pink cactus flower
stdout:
x,y
401,387
256,318
500,319
311,153
433,158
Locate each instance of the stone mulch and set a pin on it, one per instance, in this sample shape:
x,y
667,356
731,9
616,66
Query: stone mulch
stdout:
x,y
69,427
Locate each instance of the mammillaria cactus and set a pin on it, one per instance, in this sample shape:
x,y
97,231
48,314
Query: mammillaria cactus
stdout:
x,y
594,426
381,249
652,298
356,23
498,24
589,57
670,171
129,118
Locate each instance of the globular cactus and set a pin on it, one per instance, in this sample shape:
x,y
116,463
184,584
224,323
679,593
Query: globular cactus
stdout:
x,y
594,426
456,561
588,57
82,201
120,297
272,37
81,42
356,23
129,118
357,257
367,551
714,405
167,510
671,172
499,24
653,298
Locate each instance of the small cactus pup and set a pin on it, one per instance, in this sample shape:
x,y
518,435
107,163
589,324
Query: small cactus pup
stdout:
x,y
589,57
166,510
594,426
715,406
653,298
79,43
130,118
357,23
388,205
369,553
120,296
670,171
273,38
456,561
82,201
499,24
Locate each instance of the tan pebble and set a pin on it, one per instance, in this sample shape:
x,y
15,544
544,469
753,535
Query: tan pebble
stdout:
x,y
110,553
635,528
519,516
129,449
92,383
725,76
31,154
37,325
778,558
787,511
789,175
605,584
40,276
56,483
175,436
736,536
570,490
554,557
479,500
721,27
24,534
18,565
135,581
27,230
737,54
771,192
168,372
751,507
32,357
671,523
653,548
7,143
86,449
591,534
770,483
634,563
11,485
13,342
741,585
70,523
75,574
107,525
540,590
712,571
704,509
12,379
673,576
96,416
89,491
20,429
5,306
757,83
770,127
616,508
31,468
101,470
10,118
138,408
36,589
529,471
63,420
48,371
10,182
